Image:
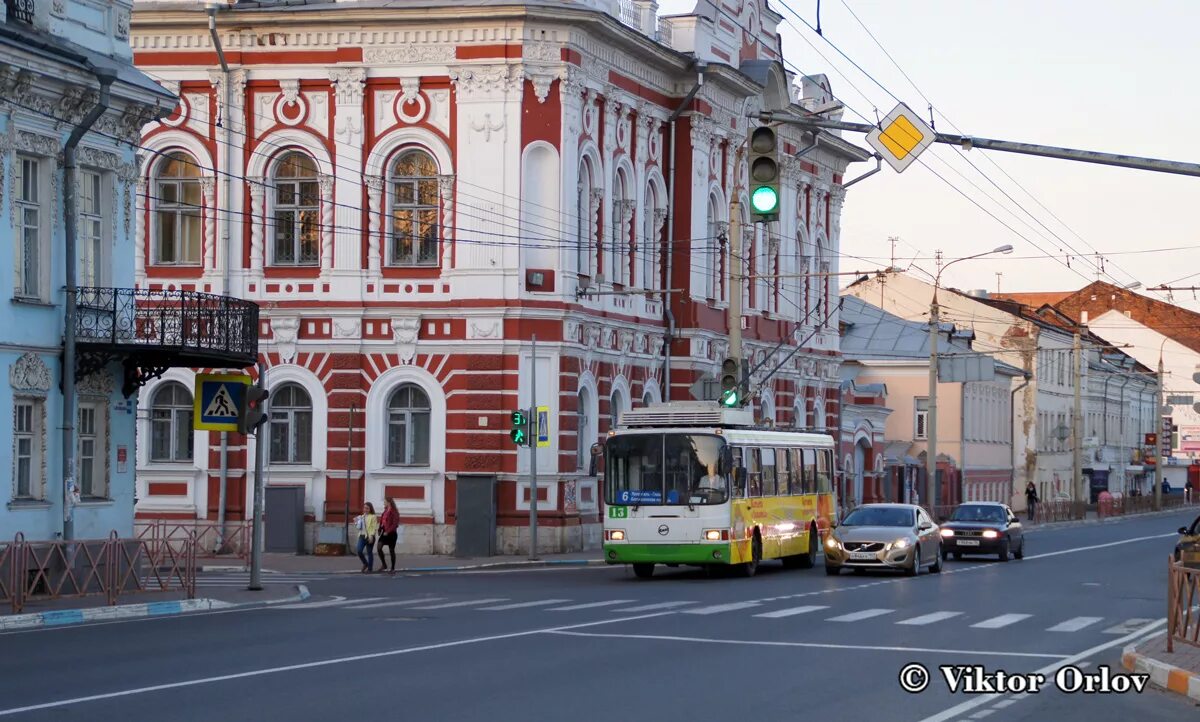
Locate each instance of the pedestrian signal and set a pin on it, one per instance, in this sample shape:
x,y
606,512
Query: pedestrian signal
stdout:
x,y
520,428
253,412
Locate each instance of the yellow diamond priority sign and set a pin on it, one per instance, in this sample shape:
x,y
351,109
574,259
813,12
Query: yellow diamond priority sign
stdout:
x,y
901,137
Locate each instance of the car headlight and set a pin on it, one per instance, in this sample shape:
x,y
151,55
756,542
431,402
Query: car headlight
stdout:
x,y
947,532
831,543
990,533
899,544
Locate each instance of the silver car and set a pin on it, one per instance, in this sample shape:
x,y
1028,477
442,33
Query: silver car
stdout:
x,y
885,536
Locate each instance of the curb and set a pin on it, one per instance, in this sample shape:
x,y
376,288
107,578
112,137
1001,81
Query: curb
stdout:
x,y
1115,519
471,567
67,617
1163,675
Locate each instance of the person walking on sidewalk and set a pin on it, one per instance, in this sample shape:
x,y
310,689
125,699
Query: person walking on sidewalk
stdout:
x,y
389,524
1031,500
368,529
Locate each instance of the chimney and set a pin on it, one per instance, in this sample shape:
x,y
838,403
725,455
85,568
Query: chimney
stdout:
x,y
1083,317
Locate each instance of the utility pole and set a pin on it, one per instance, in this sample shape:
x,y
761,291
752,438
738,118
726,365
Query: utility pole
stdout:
x,y
533,450
999,275
1158,407
931,418
893,240
735,285
1077,422
256,529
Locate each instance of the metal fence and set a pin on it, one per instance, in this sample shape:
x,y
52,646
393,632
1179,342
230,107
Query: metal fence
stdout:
x,y
1183,593
45,570
210,543
1121,504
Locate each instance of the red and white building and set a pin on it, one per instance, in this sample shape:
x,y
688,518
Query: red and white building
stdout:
x,y
413,193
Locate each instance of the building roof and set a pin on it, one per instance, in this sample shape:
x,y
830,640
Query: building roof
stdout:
x,y
1036,300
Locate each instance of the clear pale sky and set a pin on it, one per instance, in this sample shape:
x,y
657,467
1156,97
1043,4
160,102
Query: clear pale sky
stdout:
x,y
1110,75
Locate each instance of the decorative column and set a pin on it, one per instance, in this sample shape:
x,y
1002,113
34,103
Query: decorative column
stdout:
x,y
623,211
375,210
593,250
654,249
258,194
139,206
348,84
325,185
208,185
446,194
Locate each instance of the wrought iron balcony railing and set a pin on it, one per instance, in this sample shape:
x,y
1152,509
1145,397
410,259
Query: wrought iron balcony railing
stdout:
x,y
20,11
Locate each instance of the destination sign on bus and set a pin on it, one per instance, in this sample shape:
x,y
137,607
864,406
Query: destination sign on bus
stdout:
x,y
639,496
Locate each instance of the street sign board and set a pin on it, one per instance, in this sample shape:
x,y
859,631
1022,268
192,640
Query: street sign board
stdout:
x,y
217,399
543,426
1180,400
901,137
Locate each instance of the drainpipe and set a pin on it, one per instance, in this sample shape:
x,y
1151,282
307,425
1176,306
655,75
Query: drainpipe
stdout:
x,y
668,314
216,39
105,76
1012,423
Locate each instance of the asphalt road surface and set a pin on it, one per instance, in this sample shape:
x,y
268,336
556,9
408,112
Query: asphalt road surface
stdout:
x,y
599,644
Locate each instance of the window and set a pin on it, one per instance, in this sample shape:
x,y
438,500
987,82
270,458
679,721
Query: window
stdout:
x,y
650,240
616,404
297,209
178,203
921,418
647,399
739,483
585,218
622,213
768,471
31,261
583,432
171,435
810,471
291,426
796,463
824,471
710,250
754,472
93,246
408,427
28,440
415,235
93,450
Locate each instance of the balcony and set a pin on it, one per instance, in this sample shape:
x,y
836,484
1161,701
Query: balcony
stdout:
x,y
20,11
152,331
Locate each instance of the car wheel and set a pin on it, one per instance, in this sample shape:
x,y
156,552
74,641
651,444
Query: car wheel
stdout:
x,y
1020,552
936,568
832,571
807,560
643,571
915,568
751,567
1003,554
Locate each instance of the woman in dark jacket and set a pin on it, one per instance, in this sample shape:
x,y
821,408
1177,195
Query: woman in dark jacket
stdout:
x,y
1031,500
389,525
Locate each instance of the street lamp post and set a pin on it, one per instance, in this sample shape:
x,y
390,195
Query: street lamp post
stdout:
x,y
931,419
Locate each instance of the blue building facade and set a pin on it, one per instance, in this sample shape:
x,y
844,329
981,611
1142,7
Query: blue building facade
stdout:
x,y
50,55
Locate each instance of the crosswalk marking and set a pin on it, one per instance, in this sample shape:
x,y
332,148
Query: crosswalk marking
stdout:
x,y
468,603
1001,621
792,611
929,618
522,605
718,608
864,614
591,605
327,603
649,607
391,603
1074,625
1128,626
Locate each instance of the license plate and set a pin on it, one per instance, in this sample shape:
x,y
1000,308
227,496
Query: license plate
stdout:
x,y
862,555
968,542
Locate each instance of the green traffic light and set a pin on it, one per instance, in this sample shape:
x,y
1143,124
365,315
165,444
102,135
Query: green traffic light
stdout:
x,y
765,199
518,436
729,398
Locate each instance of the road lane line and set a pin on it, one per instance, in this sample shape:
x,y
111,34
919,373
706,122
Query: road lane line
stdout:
x,y
807,645
1074,625
1049,671
649,607
718,608
1002,621
467,603
929,618
864,614
392,603
522,605
792,611
313,665
590,605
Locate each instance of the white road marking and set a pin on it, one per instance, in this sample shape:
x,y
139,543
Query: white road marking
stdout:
x,y
467,603
649,607
591,605
335,602
1005,703
810,645
864,614
959,709
392,603
792,611
310,665
522,605
1002,621
929,618
718,608
983,713
1074,625
1127,626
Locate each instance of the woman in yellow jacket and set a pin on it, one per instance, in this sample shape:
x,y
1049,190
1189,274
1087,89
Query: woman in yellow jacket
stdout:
x,y
368,530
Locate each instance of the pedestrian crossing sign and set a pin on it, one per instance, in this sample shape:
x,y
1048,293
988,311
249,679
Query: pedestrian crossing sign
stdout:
x,y
543,426
218,400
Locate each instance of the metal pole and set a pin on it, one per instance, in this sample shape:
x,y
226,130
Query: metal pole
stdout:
x,y
1077,423
532,421
349,449
931,419
735,284
256,529
221,494
1157,417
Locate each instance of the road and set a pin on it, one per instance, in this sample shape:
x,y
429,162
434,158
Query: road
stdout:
x,y
599,644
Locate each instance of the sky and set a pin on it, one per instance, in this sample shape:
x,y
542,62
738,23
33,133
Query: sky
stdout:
x,y
1104,75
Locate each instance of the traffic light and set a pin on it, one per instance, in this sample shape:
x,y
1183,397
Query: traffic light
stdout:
x,y
730,392
764,174
253,411
520,428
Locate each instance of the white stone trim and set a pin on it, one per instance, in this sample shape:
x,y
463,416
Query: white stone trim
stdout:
x,y
379,162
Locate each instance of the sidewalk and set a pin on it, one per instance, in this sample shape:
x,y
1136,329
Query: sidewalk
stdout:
x,y
291,563
1177,671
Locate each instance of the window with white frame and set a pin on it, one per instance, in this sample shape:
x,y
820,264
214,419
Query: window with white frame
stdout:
x,y
291,425
408,427
585,257
585,431
93,449
649,246
415,208
297,212
28,448
171,438
921,417
618,246
616,405
178,206
94,243
30,233
710,264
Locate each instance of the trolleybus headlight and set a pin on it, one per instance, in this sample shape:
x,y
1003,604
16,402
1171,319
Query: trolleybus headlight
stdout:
x,y
615,534
716,535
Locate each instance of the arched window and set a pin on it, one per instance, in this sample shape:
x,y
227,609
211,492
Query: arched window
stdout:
x,y
297,210
585,220
171,424
408,427
291,425
651,239
647,399
616,405
708,260
585,431
622,215
415,230
178,204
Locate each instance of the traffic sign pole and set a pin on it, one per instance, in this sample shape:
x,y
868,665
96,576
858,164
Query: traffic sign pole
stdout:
x,y
256,529
533,451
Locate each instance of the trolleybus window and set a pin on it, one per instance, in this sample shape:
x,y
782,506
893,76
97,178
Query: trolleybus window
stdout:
x,y
769,476
810,470
739,474
783,462
654,469
754,472
824,484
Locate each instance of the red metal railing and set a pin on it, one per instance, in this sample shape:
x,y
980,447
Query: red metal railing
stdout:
x,y
1183,593
209,543
43,570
